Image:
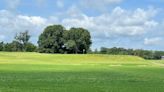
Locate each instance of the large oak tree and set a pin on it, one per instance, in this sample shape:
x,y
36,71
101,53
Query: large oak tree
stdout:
x,y
55,39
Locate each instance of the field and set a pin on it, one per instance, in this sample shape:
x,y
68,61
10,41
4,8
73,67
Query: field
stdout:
x,y
34,72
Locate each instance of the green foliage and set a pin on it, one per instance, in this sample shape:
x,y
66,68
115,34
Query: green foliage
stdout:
x,y
51,40
71,46
1,46
13,47
30,47
55,39
158,54
16,46
22,43
80,38
7,47
19,44
146,54
23,38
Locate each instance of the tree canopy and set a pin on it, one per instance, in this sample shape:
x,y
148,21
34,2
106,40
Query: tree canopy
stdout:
x,y
51,40
80,38
146,54
56,39
19,44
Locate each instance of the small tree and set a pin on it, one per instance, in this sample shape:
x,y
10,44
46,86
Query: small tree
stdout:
x,y
16,46
8,47
23,38
30,47
1,46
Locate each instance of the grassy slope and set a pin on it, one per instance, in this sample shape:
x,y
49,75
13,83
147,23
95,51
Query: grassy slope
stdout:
x,y
33,72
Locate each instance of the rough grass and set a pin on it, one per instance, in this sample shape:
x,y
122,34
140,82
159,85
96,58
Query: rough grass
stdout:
x,y
33,72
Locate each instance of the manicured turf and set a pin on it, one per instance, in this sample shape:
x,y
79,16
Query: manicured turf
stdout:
x,y
33,72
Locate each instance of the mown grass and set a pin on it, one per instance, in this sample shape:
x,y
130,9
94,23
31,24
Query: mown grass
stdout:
x,y
33,72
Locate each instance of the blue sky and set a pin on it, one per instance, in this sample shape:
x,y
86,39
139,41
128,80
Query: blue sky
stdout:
x,y
137,24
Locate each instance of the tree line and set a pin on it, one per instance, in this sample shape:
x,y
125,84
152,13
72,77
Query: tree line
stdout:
x,y
54,39
146,54
19,44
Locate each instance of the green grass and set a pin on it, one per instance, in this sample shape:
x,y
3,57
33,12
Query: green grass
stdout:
x,y
34,72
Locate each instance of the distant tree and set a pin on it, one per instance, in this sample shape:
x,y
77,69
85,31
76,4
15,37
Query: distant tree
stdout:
x,y
20,43
96,51
130,52
1,46
8,47
158,54
146,54
90,51
80,39
30,47
13,47
51,40
16,46
23,38
103,50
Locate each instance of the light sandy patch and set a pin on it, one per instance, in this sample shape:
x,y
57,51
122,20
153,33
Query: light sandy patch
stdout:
x,y
142,65
115,65
158,63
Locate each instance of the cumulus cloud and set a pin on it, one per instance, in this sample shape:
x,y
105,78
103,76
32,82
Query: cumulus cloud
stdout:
x,y
33,20
153,41
119,22
10,24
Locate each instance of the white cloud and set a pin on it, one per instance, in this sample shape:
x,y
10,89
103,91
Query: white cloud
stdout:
x,y
118,22
153,41
10,24
34,20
